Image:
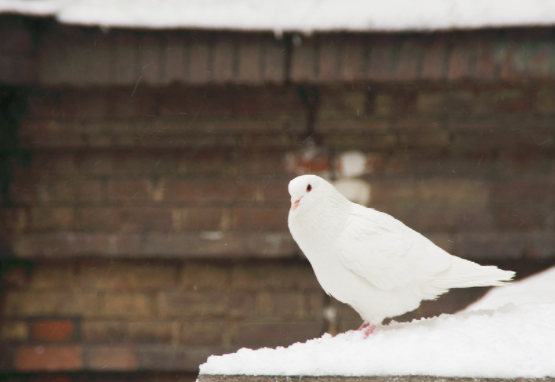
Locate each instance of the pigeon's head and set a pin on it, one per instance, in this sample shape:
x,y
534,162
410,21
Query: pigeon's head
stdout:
x,y
306,190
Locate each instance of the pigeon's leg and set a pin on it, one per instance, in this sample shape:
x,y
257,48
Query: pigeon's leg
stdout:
x,y
364,325
367,328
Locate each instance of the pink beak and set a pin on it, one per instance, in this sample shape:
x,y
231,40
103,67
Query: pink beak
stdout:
x,y
295,203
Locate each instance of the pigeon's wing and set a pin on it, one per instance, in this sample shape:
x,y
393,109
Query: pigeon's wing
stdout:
x,y
387,253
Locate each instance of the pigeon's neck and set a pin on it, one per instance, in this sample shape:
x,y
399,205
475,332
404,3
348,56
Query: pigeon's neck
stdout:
x,y
327,220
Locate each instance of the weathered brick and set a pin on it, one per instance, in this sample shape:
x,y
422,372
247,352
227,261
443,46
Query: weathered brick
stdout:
x,y
131,190
52,219
14,220
177,358
14,331
408,66
44,105
303,59
14,277
428,138
521,216
545,101
110,358
205,304
123,276
204,277
434,57
259,219
125,219
275,277
336,104
125,305
111,331
84,104
271,334
50,303
282,304
461,59
206,332
48,358
52,330
44,277
489,245
522,161
201,219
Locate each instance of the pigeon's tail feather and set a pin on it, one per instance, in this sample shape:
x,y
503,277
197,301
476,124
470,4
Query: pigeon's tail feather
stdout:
x,y
466,274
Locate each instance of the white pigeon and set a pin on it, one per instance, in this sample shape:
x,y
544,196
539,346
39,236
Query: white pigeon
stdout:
x,y
370,260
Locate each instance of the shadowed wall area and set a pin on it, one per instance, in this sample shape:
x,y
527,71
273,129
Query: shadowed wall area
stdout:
x,y
149,229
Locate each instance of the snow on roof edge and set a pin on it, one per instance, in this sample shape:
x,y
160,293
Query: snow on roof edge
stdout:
x,y
305,16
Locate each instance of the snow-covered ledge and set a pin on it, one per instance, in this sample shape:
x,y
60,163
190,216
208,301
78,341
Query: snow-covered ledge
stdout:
x,y
405,378
499,341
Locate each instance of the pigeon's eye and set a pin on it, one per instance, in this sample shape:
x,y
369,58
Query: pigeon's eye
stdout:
x,y
308,188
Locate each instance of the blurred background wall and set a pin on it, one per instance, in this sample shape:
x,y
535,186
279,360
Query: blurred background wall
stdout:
x,y
144,180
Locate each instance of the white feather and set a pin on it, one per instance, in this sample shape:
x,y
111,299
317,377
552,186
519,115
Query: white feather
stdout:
x,y
370,260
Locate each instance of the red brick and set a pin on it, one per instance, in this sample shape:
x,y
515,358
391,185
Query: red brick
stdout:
x,y
53,330
111,358
49,358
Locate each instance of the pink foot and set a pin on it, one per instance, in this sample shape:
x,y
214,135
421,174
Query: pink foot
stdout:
x,y
367,329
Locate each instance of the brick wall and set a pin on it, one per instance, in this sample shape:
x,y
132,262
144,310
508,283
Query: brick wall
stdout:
x,y
149,230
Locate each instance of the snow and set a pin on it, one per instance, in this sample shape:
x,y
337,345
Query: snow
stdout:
x,y
508,342
293,15
539,288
